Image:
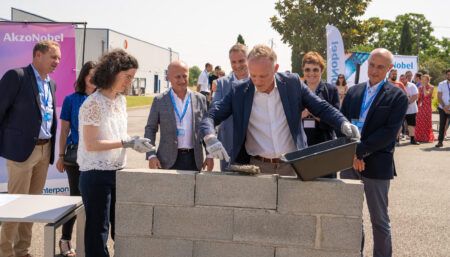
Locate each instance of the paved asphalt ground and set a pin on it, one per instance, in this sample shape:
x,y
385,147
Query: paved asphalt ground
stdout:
x,y
419,198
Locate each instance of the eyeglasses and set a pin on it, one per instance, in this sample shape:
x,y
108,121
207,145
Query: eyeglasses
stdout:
x,y
315,70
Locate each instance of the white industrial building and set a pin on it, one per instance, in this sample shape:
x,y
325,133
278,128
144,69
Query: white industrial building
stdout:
x,y
153,60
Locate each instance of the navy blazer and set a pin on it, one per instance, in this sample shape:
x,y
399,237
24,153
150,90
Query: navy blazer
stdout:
x,y
295,97
380,129
20,116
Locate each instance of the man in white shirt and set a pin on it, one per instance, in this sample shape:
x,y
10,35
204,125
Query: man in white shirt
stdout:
x,y
444,107
266,115
203,81
177,113
413,94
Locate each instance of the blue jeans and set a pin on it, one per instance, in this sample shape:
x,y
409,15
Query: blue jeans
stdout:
x,y
98,191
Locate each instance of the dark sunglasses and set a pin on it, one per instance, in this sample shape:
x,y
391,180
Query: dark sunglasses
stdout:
x,y
313,70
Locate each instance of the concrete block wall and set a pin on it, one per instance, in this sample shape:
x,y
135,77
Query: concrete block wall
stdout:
x,y
167,213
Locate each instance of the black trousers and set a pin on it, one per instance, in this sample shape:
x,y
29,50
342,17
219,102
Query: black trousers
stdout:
x,y
73,174
185,161
444,119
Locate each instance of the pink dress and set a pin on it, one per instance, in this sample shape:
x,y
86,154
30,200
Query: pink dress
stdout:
x,y
424,130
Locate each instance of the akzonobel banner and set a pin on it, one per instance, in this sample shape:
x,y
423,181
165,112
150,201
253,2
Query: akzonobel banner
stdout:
x,y
358,60
335,54
16,50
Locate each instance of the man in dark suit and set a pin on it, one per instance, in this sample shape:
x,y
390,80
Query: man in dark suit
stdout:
x,y
177,113
266,115
377,108
27,135
238,61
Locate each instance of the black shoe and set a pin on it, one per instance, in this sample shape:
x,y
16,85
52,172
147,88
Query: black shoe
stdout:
x,y
414,142
439,144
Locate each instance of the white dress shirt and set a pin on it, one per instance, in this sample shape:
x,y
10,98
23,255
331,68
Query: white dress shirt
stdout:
x,y
268,133
184,141
444,88
370,96
203,81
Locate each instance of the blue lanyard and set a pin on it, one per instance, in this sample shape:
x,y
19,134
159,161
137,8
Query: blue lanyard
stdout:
x,y
46,96
180,117
364,105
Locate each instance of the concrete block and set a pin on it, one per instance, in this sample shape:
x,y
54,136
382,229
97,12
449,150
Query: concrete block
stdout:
x,y
341,233
142,246
302,252
219,249
236,190
193,223
168,187
132,219
327,196
268,227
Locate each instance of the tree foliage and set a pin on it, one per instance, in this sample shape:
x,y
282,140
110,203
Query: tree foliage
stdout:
x,y
194,72
301,23
240,39
406,40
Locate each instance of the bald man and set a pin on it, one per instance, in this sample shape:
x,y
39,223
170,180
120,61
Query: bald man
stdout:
x,y
177,113
377,108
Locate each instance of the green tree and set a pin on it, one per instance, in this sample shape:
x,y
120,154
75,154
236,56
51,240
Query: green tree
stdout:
x,y
301,23
240,39
194,72
389,36
406,40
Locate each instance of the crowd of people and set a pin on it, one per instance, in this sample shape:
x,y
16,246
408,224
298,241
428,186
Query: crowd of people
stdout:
x,y
253,115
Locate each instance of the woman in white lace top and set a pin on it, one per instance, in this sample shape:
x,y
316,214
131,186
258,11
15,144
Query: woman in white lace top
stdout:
x,y
101,149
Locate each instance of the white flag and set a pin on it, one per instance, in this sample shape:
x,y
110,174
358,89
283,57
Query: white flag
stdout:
x,y
335,54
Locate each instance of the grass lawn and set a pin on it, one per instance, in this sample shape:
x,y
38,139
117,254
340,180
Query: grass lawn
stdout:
x,y
136,101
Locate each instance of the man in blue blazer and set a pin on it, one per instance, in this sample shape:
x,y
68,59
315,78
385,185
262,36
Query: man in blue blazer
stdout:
x,y
238,61
266,115
377,108
27,135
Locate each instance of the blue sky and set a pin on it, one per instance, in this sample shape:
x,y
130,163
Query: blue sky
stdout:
x,y
200,30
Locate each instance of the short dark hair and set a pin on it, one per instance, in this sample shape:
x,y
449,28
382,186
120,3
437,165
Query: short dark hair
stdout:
x,y
43,46
419,75
447,70
208,65
80,84
110,64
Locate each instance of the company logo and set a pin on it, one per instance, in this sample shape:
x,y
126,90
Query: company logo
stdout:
x,y
35,37
334,62
402,65
55,190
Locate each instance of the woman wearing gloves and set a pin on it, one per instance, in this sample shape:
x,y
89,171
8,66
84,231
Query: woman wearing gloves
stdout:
x,y
102,143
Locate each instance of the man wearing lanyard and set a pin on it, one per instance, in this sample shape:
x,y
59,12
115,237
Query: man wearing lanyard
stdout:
x,y
177,113
444,107
27,135
377,108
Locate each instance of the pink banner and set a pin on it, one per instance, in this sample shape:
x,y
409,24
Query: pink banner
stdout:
x,y
16,50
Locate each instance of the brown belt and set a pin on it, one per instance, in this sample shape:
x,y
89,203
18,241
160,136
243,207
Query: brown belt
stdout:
x,y
274,160
42,141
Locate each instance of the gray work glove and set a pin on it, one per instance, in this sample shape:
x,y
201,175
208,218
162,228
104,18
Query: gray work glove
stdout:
x,y
141,145
216,149
350,130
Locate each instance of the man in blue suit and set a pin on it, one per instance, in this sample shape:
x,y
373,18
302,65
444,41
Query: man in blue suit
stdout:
x,y
27,135
266,115
377,108
238,61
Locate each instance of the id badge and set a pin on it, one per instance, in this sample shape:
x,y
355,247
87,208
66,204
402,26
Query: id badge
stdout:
x,y
47,116
181,132
309,123
358,124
